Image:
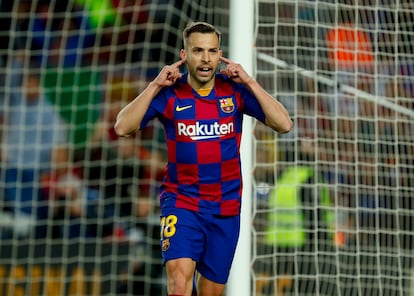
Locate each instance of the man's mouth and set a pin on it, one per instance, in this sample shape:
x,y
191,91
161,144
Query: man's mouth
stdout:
x,y
204,71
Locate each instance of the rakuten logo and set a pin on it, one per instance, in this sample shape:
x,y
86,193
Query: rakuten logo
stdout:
x,y
201,131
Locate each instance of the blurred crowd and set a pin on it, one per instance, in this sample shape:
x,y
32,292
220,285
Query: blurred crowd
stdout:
x,y
347,141
60,155
67,67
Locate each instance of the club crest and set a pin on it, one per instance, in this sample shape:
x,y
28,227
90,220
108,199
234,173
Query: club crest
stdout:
x,y
227,105
165,244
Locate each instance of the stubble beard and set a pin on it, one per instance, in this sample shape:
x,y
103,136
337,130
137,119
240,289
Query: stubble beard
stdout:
x,y
202,80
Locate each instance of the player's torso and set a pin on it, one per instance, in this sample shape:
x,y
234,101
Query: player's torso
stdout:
x,y
211,125
203,137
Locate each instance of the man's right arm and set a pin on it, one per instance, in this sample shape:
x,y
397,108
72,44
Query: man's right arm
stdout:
x,y
129,119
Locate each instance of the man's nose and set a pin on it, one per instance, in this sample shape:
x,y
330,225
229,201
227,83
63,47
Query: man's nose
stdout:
x,y
205,56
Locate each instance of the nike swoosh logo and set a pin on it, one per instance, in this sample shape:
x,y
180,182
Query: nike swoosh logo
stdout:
x,y
178,108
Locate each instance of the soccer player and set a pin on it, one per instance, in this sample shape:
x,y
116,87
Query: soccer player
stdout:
x,y
201,112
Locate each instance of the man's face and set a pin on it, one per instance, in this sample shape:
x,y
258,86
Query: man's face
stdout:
x,y
203,57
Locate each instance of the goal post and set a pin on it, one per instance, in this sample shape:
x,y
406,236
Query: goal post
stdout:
x,y
241,50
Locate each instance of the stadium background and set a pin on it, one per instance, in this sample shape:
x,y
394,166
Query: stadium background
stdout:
x,y
353,119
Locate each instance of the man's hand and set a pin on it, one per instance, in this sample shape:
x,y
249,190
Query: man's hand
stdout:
x,y
169,74
235,71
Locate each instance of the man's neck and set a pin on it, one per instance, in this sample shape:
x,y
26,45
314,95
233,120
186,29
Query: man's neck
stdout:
x,y
199,87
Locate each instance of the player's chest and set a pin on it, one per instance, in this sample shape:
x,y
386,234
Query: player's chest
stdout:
x,y
204,108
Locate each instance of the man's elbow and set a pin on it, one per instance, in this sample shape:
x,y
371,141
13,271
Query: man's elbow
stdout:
x,y
121,130
282,127
287,127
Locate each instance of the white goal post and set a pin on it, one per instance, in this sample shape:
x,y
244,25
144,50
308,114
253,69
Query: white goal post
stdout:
x,y
241,50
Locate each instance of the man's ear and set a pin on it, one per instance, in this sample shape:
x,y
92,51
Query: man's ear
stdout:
x,y
183,54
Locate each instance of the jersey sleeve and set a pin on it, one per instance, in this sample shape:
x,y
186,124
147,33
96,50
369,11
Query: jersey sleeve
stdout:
x,y
250,105
156,108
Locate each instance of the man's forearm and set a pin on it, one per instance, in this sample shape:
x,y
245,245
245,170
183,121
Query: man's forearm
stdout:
x,y
277,117
129,118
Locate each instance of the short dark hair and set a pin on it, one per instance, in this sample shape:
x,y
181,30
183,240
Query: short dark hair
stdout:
x,y
199,27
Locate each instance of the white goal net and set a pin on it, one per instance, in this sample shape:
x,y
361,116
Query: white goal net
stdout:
x,y
78,207
333,212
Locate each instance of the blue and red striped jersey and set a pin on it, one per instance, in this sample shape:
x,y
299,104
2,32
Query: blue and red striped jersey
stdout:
x,y
203,137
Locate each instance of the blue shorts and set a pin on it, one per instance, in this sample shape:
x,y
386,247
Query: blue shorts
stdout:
x,y
210,240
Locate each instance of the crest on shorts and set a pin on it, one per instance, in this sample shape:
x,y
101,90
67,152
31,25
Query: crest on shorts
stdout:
x,y
165,245
227,105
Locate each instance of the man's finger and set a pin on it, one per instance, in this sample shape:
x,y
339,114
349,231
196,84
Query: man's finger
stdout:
x,y
179,63
225,60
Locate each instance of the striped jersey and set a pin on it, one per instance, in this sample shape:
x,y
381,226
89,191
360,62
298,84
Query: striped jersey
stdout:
x,y
203,135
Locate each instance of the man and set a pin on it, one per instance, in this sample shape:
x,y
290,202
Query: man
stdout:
x,y
300,227
202,116
300,219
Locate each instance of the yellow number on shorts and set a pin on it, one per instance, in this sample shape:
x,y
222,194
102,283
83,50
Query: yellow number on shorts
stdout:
x,y
168,226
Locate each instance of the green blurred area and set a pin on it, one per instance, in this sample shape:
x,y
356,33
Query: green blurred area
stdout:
x,y
76,93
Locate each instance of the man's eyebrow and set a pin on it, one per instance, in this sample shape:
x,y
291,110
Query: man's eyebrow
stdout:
x,y
204,48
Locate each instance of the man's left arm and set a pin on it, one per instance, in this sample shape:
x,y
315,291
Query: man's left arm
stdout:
x,y
276,115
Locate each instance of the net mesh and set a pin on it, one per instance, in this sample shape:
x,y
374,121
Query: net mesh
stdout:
x,y
344,71
86,223
79,206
